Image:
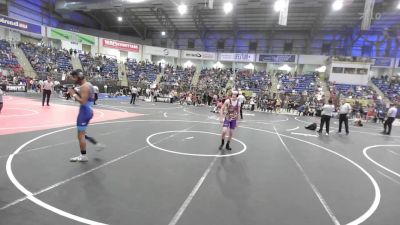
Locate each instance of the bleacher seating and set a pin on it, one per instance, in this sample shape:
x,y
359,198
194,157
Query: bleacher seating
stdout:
x,y
391,88
255,82
214,79
355,91
100,68
178,76
8,61
299,83
45,60
141,71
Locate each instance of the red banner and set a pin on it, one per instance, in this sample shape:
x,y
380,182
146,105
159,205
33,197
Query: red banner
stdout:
x,y
121,45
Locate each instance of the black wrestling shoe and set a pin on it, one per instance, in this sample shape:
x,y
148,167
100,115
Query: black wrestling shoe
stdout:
x,y
228,148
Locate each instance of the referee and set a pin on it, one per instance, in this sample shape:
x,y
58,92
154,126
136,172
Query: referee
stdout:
x,y
391,115
344,111
47,88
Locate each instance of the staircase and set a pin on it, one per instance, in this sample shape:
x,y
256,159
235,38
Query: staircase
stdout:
x,y
76,63
379,92
158,78
231,82
275,82
325,87
195,79
24,62
122,75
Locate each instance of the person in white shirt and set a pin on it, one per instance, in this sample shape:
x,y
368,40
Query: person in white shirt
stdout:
x,y
344,111
96,94
391,116
134,92
326,114
47,88
241,100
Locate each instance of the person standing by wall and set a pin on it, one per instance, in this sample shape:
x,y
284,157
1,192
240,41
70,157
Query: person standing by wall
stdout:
x,y
391,116
344,111
326,114
47,89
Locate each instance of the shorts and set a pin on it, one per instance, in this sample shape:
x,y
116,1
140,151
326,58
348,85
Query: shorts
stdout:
x,y
231,124
84,117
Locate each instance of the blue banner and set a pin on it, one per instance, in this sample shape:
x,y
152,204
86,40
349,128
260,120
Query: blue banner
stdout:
x,y
20,25
277,58
382,62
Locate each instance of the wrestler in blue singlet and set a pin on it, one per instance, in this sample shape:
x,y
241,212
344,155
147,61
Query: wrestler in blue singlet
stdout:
x,y
86,111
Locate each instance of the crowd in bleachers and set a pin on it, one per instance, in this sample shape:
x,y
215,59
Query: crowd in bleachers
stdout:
x,y
297,84
389,86
352,91
99,68
8,62
214,79
142,72
178,77
253,81
45,60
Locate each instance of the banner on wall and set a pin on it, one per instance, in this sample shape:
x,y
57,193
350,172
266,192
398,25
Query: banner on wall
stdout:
x,y
20,25
237,57
16,88
381,62
150,50
277,58
125,46
199,55
59,34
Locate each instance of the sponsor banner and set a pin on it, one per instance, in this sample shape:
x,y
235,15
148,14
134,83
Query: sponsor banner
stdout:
x,y
277,58
237,57
160,51
73,37
125,46
20,25
381,62
16,88
199,55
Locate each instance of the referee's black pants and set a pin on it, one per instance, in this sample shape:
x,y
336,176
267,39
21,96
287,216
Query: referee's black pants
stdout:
x,y
324,120
46,93
133,98
388,123
241,111
343,118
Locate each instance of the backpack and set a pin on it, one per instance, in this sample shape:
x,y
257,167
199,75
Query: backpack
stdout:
x,y
312,126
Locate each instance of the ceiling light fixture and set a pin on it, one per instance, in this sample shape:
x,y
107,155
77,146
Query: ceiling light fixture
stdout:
x,y
337,5
119,18
398,5
182,9
228,7
279,5
163,33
